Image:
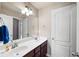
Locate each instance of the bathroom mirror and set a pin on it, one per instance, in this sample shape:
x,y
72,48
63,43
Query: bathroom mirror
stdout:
x,y
19,25
17,28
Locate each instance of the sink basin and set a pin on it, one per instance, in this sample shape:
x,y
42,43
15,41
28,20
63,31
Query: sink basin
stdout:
x,y
2,49
19,50
14,52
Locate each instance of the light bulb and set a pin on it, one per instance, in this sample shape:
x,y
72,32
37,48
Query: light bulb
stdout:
x,y
30,12
27,14
23,11
26,10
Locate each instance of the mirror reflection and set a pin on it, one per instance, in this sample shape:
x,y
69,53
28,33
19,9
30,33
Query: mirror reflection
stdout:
x,y
9,28
16,28
19,25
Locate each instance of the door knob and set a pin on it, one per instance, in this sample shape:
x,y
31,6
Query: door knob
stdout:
x,y
52,38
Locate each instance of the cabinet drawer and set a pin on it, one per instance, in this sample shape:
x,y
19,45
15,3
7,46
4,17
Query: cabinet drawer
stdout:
x,y
37,49
37,54
43,51
30,54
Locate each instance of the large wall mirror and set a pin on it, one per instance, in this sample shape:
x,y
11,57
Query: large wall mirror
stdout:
x,y
19,26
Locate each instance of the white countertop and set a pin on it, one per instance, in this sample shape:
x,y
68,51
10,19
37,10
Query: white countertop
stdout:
x,y
24,48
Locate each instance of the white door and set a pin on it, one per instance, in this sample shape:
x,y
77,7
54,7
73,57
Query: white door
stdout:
x,y
60,35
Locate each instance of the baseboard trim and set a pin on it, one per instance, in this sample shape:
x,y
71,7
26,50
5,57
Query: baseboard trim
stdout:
x,y
48,55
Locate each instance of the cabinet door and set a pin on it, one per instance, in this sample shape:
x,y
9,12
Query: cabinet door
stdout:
x,y
37,51
44,49
30,54
37,54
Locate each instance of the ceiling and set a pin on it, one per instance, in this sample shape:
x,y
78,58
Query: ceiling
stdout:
x,y
40,5
19,6
12,6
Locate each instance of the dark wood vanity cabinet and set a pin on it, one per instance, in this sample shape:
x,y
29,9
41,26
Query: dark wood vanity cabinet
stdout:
x,y
39,51
43,50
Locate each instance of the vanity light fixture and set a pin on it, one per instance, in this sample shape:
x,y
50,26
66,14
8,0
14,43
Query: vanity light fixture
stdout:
x,y
27,11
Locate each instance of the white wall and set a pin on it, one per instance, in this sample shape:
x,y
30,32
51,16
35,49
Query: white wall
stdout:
x,y
44,22
33,26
